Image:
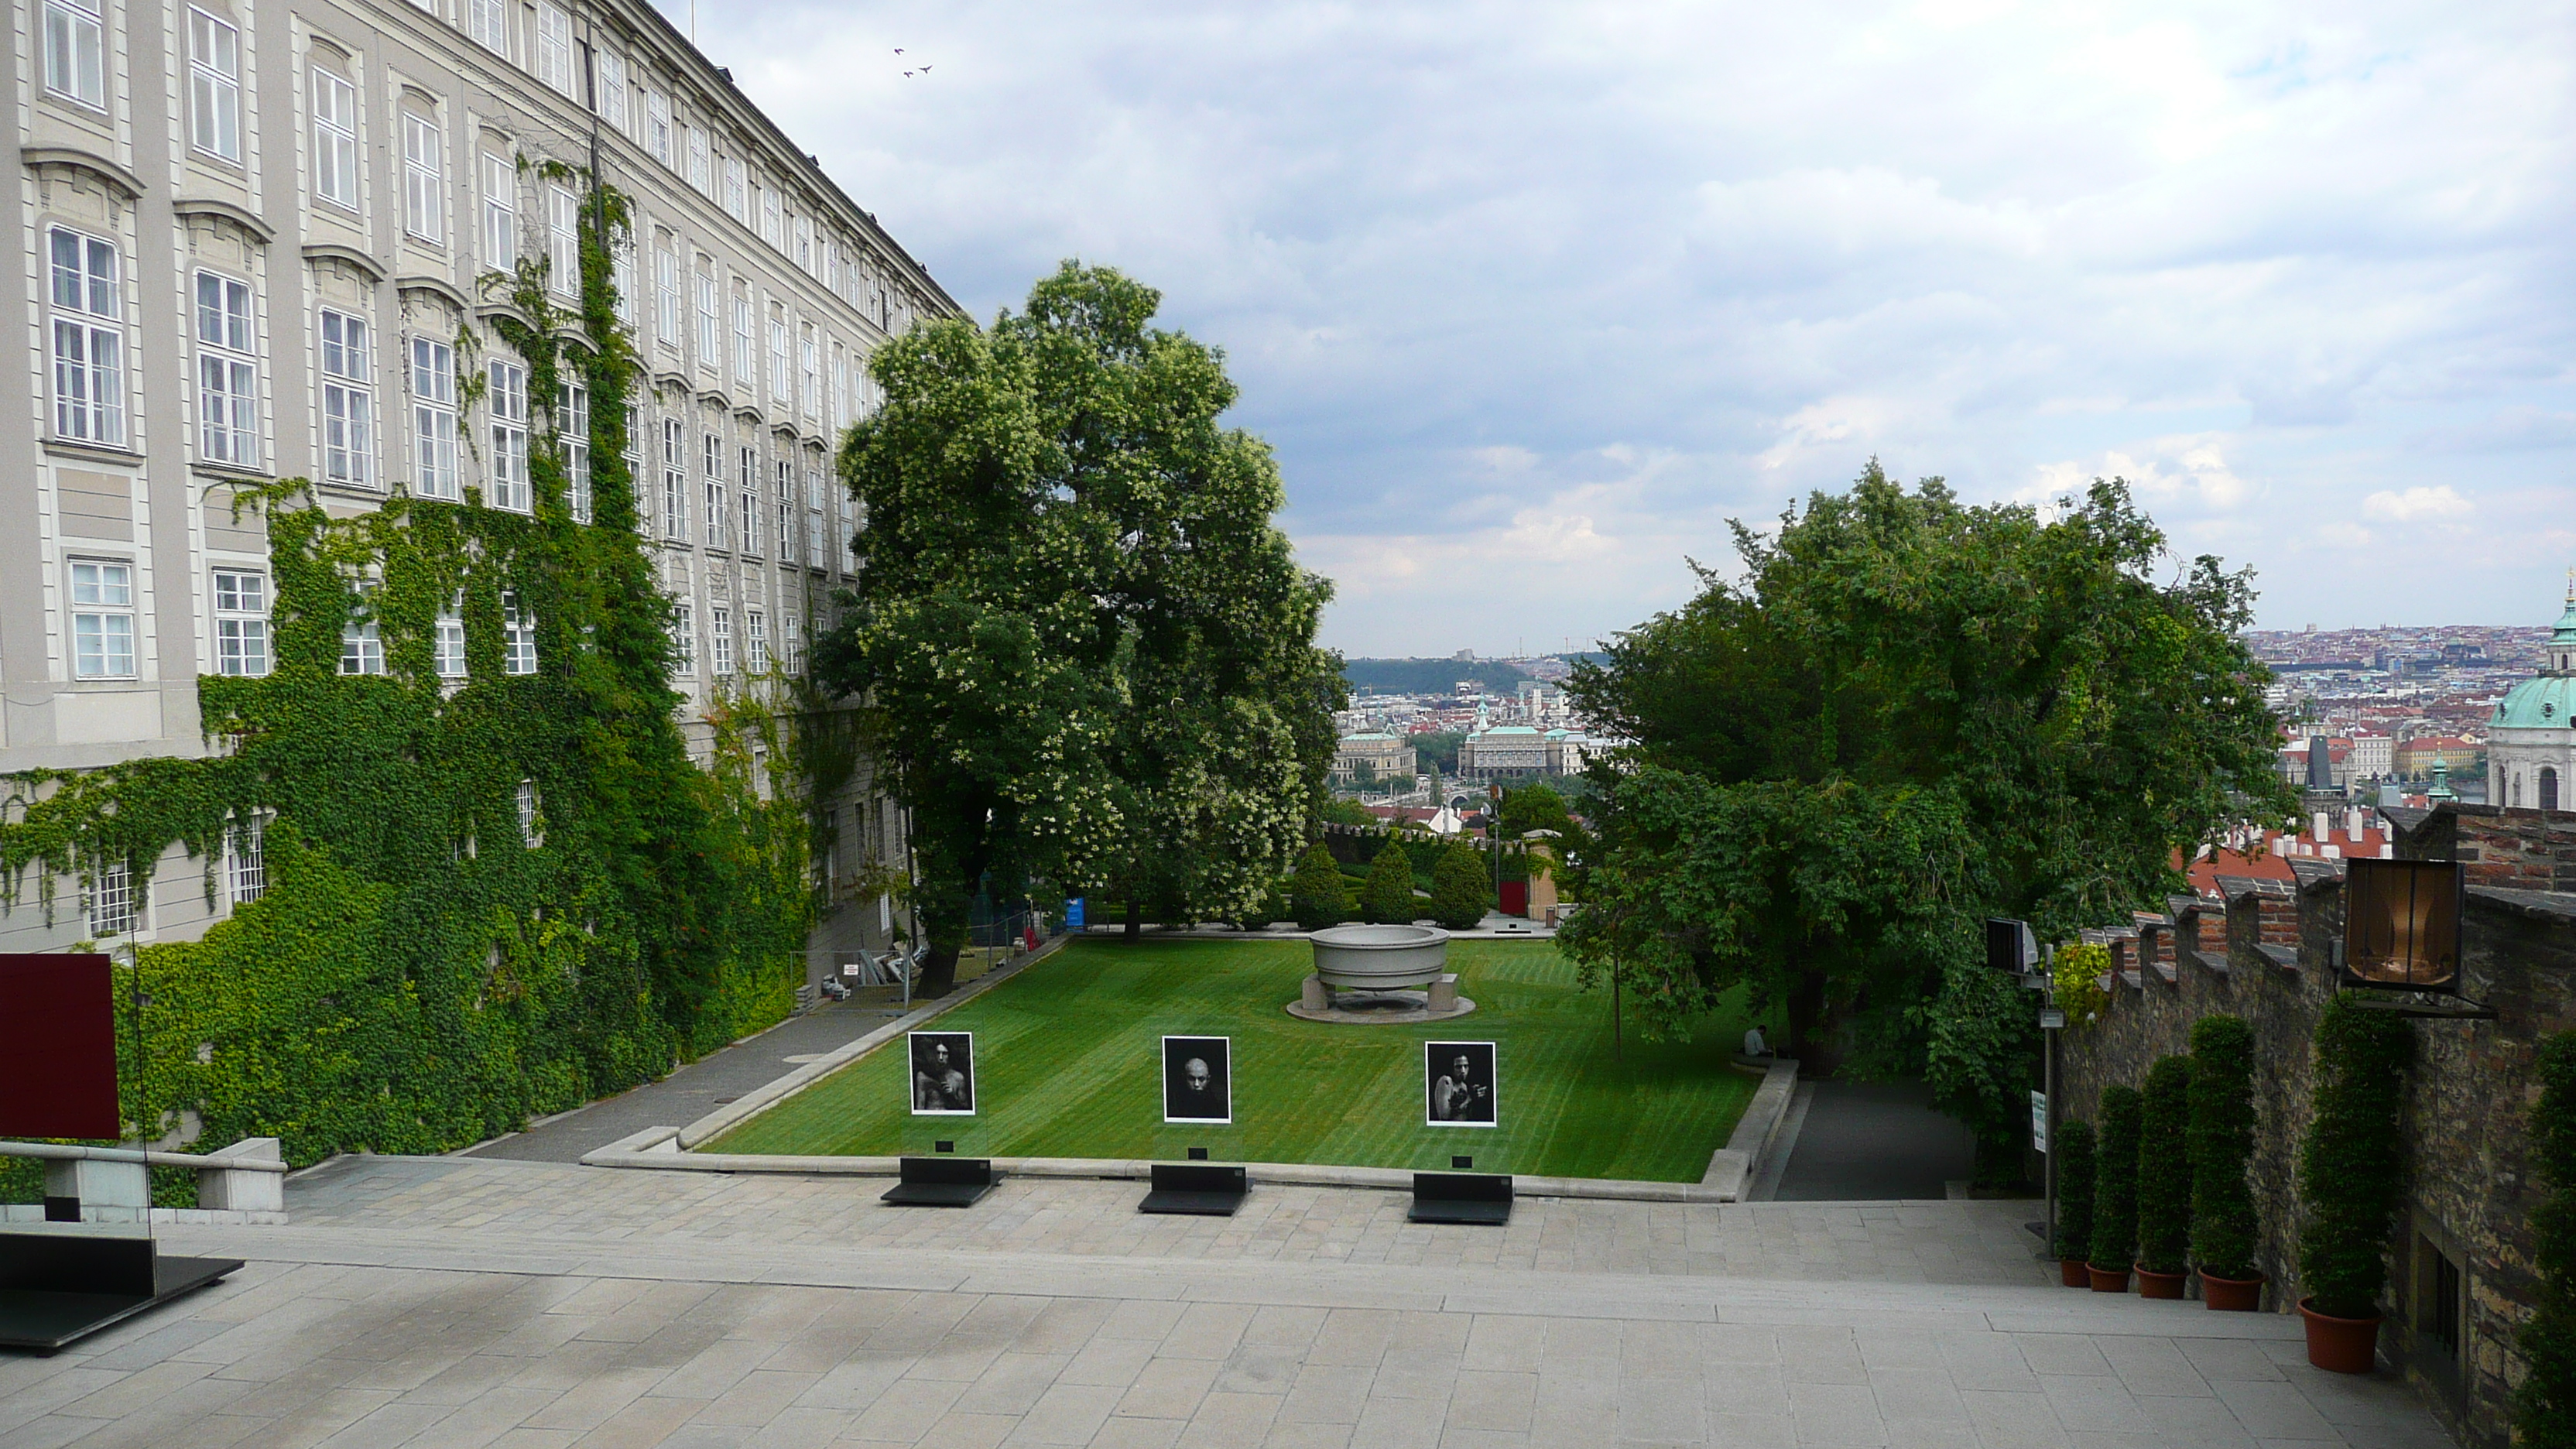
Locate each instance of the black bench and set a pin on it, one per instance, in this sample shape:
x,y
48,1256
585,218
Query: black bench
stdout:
x,y
942,1182
1196,1188
1461,1197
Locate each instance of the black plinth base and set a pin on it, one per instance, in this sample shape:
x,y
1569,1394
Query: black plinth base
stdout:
x,y
59,1288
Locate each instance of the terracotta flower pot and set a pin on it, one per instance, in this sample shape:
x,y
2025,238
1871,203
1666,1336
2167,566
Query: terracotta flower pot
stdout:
x,y
2152,1284
2232,1295
2341,1345
2108,1280
2071,1272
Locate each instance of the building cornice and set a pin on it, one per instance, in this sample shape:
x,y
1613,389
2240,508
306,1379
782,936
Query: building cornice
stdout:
x,y
437,286
367,266
240,216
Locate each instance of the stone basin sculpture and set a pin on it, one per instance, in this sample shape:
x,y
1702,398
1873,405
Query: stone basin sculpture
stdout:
x,y
1380,958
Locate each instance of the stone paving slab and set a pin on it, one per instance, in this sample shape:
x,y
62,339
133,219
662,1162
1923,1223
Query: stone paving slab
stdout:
x,y
527,1305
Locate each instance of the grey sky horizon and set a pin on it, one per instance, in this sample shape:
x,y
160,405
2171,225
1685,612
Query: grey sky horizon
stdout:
x,y
1532,299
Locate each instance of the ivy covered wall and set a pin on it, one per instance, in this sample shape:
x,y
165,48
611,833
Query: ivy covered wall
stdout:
x,y
488,898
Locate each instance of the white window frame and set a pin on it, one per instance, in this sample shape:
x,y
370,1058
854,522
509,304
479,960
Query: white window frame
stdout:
x,y
710,318
214,85
666,293
518,637
241,622
779,381
612,90
684,638
525,799
657,125
109,904
572,434
755,642
500,212
675,481
488,21
809,398
745,365
563,240
771,229
88,305
348,400
505,397
227,369
721,628
805,245
432,365
622,276
447,645
749,481
362,648
711,460
735,203
791,643
105,622
335,139
246,860
701,174
424,178
554,46
75,45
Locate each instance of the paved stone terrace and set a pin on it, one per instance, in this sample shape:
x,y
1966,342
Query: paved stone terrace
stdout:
x,y
466,1303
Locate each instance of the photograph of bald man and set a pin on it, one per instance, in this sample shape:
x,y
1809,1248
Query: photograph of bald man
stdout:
x,y
1198,1079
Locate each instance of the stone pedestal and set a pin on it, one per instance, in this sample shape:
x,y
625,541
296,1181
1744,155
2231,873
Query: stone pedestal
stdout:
x,y
243,1189
1315,997
1444,995
93,1191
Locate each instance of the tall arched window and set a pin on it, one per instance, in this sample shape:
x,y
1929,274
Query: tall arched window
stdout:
x,y
2548,788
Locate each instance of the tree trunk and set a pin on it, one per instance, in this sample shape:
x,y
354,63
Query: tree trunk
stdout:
x,y
1811,1026
1135,918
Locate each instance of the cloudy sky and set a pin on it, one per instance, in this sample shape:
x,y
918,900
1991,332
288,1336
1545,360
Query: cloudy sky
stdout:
x,y
1532,298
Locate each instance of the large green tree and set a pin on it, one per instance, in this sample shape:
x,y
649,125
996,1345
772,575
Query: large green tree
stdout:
x,y
1079,640
1909,714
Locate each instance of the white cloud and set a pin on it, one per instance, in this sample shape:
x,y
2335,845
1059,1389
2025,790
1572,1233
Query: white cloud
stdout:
x,y
2276,263
2415,503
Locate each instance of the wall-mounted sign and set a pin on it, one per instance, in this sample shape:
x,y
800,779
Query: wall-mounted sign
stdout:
x,y
2039,1121
2401,924
2010,946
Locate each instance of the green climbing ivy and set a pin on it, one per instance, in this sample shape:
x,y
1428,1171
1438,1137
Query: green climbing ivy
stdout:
x,y
488,898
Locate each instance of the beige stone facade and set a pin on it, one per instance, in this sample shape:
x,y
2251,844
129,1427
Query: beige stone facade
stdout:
x,y
253,233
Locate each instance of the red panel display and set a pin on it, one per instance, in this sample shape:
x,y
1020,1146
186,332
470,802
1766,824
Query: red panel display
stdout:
x,y
57,1047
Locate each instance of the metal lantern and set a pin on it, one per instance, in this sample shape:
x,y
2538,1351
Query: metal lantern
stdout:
x,y
2401,924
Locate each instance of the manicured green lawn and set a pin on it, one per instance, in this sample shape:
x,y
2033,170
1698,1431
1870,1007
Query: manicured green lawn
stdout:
x,y
1068,1056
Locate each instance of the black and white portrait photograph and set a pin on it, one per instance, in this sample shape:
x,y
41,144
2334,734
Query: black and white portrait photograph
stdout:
x,y
1198,1079
943,1073
1458,1085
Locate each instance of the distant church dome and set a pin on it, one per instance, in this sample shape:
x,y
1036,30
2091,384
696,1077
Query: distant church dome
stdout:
x,y
2531,743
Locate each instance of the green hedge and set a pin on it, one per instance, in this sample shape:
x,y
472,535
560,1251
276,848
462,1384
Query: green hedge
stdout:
x,y
2544,1407
2115,1183
2074,1148
2353,1162
2164,1167
2222,1142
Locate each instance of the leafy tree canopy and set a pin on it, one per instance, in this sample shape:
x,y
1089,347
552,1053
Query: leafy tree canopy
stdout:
x,y
1080,642
1910,714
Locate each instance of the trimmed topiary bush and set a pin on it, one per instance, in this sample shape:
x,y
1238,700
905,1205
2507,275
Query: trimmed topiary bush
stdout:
x,y
2222,1140
2115,1183
2074,1146
1317,895
1386,898
2164,1167
2352,1163
1461,893
2544,1407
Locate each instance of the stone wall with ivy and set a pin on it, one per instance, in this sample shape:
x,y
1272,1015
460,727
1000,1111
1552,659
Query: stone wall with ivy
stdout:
x,y
488,898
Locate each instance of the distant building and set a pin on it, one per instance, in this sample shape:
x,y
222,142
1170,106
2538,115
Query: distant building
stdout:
x,y
1505,752
1387,757
2418,756
2531,745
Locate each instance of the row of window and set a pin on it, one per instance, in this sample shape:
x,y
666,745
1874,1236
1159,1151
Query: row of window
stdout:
x,y
103,628
736,516
756,657
112,907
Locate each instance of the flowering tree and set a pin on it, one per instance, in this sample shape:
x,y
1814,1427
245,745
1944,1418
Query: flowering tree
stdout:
x,y
1079,641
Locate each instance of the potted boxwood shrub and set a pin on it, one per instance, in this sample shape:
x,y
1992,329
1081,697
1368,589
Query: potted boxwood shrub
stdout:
x,y
2074,1147
2115,1192
2164,1179
2544,1407
2348,1178
2222,1141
